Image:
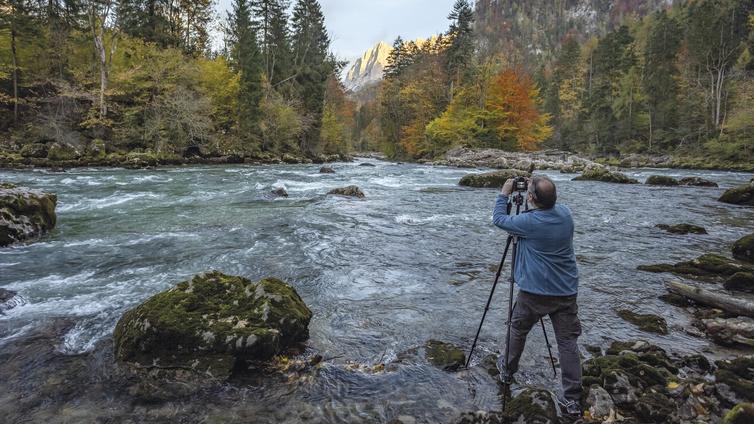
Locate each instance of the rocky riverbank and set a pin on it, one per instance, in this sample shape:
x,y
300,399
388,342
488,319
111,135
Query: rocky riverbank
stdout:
x,y
24,213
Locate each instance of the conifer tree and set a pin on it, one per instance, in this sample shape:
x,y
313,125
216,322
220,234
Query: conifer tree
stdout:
x,y
246,59
461,49
271,22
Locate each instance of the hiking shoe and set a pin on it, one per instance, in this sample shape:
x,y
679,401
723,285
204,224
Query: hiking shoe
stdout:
x,y
505,377
570,407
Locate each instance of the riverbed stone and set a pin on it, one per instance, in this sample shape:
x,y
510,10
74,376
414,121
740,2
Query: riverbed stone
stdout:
x,y
743,413
349,191
494,179
743,249
737,375
533,406
280,192
25,213
740,281
5,297
730,331
646,322
326,170
600,403
654,407
367,164
682,229
741,195
601,173
209,323
445,356
705,266
661,180
696,182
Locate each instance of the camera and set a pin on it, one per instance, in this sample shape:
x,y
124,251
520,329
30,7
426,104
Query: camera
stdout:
x,y
520,183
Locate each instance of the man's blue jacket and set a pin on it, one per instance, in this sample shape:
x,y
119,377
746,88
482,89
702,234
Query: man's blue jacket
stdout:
x,y
545,262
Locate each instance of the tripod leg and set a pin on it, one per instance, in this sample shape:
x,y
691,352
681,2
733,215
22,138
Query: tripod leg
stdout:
x,y
510,318
549,348
489,300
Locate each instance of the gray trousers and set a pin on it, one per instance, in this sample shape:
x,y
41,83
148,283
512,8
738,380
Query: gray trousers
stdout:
x,y
563,312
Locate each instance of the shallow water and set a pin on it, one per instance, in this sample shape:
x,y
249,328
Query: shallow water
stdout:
x,y
413,261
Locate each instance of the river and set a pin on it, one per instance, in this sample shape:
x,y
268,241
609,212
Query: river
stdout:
x,y
413,261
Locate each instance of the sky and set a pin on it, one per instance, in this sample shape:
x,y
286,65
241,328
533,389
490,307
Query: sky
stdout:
x,y
357,25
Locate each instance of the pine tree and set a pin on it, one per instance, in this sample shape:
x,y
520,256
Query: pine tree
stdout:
x,y
312,64
461,49
395,59
246,59
271,22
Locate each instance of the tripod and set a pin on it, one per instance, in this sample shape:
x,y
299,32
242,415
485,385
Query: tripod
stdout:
x,y
518,199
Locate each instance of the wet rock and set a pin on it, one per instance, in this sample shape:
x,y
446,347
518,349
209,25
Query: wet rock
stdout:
x,y
533,406
494,179
730,331
708,265
743,249
601,173
326,170
350,191
444,355
661,180
290,159
210,323
735,379
62,152
635,346
280,192
698,363
618,384
483,417
600,403
367,164
741,195
5,298
675,300
743,413
645,322
489,363
740,281
682,229
25,213
34,150
696,182
593,350
654,407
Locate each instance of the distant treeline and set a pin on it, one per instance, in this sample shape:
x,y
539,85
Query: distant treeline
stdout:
x,y
676,80
140,75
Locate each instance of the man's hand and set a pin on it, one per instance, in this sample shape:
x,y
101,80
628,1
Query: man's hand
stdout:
x,y
507,187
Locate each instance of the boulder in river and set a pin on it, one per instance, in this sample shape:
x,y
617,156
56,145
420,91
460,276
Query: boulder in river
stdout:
x,y
494,179
5,297
741,281
326,170
601,173
24,213
730,331
682,228
696,182
737,377
741,195
743,249
444,355
210,323
645,322
600,403
661,180
280,192
350,191
367,164
706,266
533,406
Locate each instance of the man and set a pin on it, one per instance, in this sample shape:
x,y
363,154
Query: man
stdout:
x,y
548,280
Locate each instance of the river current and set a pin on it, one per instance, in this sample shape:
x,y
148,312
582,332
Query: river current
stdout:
x,y
413,261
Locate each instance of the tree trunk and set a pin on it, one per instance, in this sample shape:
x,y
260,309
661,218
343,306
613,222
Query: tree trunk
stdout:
x,y
15,64
98,34
728,303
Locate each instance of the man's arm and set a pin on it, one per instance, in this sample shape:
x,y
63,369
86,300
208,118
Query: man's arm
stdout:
x,y
514,224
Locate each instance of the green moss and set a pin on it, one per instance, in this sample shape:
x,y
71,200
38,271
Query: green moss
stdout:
x,y
605,175
208,322
741,195
743,413
697,182
645,322
532,406
682,229
445,355
61,152
661,180
494,179
34,150
654,407
708,265
349,191
743,249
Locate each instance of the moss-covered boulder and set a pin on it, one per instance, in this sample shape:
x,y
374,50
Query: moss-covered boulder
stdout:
x,y
705,266
682,229
25,213
494,179
600,173
741,195
654,407
349,191
96,149
444,355
737,376
62,152
743,249
645,322
696,182
211,322
34,150
743,413
740,281
533,406
661,180
326,170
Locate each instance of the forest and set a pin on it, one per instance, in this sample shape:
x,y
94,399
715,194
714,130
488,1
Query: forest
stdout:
x,y
658,80
143,76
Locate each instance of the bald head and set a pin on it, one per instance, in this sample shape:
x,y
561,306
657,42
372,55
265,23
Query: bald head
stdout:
x,y
543,192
